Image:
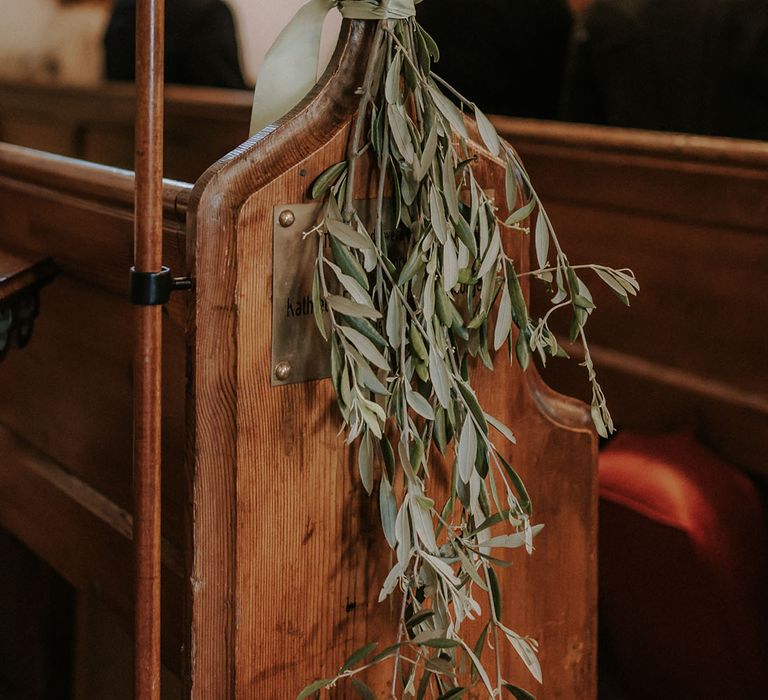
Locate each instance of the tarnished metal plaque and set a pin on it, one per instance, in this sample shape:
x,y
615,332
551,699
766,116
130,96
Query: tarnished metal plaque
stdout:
x,y
299,353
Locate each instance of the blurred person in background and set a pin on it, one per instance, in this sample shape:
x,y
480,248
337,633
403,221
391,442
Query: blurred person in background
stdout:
x,y
52,41
508,55
201,45
698,66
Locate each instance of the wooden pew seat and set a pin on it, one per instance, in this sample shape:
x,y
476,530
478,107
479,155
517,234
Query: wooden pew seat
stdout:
x,y
684,567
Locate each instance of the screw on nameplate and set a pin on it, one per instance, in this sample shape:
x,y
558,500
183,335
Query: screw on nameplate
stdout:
x,y
283,371
287,218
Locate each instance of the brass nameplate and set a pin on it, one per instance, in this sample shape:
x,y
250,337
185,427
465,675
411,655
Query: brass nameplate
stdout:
x,y
299,353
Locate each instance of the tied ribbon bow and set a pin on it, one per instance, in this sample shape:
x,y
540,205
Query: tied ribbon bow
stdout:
x,y
289,70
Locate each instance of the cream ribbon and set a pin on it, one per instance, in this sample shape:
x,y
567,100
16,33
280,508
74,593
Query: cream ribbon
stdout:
x,y
289,70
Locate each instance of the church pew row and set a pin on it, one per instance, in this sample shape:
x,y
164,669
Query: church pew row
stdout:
x,y
96,123
271,559
688,214
65,412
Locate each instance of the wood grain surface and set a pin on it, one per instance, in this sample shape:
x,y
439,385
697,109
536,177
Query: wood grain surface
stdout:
x,y
278,544
288,561
148,350
65,400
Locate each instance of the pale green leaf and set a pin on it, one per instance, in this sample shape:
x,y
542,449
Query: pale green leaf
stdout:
x,y
440,378
487,132
313,688
351,308
522,213
365,462
450,265
478,667
542,239
392,88
400,133
347,235
422,522
449,185
357,656
419,404
387,510
394,320
427,156
467,449
437,216
616,286
525,651
597,419
503,320
503,429
469,567
450,112
491,258
513,541
317,307
351,285
388,586
365,347
442,568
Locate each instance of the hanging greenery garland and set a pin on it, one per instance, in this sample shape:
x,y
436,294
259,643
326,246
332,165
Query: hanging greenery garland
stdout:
x,y
402,328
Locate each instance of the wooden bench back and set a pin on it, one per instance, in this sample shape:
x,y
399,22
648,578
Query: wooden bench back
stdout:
x,y
690,216
294,588
65,399
96,123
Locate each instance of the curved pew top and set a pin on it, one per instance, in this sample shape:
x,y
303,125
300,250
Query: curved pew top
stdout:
x,y
57,206
701,179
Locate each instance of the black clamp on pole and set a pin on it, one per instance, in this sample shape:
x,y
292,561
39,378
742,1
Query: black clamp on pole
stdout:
x,y
155,288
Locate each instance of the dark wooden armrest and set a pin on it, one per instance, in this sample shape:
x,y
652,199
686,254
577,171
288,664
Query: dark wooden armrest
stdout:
x,y
20,273
20,279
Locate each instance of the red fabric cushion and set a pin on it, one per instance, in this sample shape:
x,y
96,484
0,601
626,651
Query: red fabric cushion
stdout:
x,y
683,577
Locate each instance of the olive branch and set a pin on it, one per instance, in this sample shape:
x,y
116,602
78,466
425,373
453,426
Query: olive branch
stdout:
x,y
403,326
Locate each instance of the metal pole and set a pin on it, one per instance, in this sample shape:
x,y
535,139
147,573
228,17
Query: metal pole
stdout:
x,y
150,22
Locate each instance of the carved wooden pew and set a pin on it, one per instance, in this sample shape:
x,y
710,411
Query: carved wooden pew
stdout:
x,y
690,216
688,212
272,567
65,411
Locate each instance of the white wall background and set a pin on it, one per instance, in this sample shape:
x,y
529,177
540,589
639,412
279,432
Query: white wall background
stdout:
x,y
260,21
